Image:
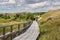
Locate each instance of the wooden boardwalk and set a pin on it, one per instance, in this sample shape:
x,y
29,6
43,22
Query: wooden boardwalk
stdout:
x,y
31,33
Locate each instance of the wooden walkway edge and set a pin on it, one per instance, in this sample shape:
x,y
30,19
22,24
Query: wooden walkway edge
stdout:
x,y
31,33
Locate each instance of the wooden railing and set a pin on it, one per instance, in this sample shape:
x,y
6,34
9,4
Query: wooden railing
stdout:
x,y
12,34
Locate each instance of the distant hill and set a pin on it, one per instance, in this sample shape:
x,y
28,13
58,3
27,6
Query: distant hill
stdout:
x,y
50,25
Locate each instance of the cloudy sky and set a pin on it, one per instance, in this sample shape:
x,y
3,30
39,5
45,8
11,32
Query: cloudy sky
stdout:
x,y
28,5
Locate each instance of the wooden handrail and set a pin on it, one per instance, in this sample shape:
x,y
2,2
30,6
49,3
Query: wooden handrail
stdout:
x,y
11,33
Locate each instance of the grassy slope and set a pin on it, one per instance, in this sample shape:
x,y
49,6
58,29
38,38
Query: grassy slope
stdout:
x,y
50,26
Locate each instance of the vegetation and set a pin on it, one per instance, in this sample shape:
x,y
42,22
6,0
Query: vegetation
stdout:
x,y
50,25
9,18
14,18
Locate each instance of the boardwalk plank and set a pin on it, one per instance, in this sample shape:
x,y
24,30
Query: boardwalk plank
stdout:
x,y
31,34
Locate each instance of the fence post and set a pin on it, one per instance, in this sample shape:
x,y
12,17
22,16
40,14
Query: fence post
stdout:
x,y
18,29
3,34
11,31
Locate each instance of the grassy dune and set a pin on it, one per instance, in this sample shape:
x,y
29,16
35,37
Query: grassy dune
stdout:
x,y
50,26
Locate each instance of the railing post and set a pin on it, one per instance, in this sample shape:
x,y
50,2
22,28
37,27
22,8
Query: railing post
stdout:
x,y
3,34
25,24
18,29
11,31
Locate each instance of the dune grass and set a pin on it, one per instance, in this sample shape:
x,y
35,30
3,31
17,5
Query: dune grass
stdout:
x,y
50,26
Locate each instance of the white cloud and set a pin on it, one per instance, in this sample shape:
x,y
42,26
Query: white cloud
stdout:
x,y
38,4
21,3
57,7
30,5
9,2
56,3
18,5
51,8
22,0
